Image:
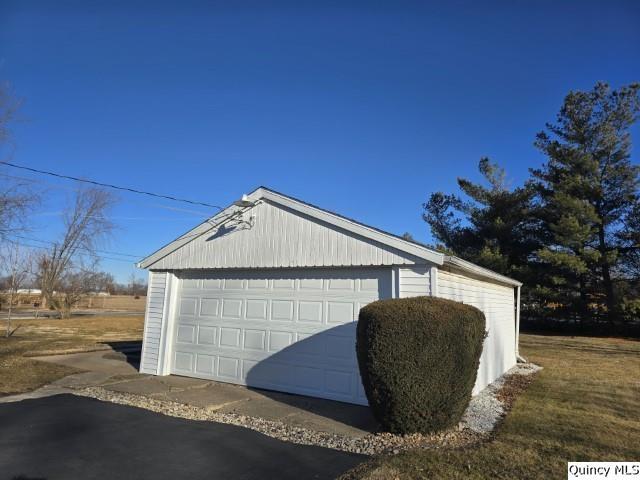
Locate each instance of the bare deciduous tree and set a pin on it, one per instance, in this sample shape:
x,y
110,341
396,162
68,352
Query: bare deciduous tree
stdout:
x,y
15,197
18,267
61,269
74,285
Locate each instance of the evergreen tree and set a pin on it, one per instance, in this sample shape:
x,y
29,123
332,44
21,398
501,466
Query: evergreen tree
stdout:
x,y
498,229
587,190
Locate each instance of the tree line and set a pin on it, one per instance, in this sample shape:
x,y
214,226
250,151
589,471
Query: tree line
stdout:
x,y
571,231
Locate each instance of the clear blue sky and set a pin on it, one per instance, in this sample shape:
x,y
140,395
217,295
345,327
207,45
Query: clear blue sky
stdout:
x,y
362,108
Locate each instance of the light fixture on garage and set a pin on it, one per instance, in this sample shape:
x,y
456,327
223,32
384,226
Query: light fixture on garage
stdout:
x,y
244,202
238,218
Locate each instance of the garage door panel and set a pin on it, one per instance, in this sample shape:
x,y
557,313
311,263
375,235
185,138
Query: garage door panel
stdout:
x,y
205,364
232,308
229,367
209,307
255,340
230,337
339,382
188,306
257,309
288,330
186,333
207,335
279,340
184,362
340,312
282,310
310,311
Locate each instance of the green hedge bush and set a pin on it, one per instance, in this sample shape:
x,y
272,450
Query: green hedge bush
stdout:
x,y
418,361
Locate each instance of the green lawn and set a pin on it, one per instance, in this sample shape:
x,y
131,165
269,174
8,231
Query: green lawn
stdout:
x,y
584,405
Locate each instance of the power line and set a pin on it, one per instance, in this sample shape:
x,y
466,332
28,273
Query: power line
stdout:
x,y
108,185
84,248
203,215
46,248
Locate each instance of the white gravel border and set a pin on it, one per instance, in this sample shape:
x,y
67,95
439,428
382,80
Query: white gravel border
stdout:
x,y
483,413
485,410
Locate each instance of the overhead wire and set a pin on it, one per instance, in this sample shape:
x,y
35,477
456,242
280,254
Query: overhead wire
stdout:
x,y
42,247
109,185
51,242
208,218
203,215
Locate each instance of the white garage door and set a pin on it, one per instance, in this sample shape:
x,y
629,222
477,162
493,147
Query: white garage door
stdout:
x,y
288,330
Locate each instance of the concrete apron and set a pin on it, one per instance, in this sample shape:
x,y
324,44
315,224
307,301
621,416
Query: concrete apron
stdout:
x,y
111,371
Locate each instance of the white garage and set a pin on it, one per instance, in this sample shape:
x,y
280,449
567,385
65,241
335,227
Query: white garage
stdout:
x,y
267,294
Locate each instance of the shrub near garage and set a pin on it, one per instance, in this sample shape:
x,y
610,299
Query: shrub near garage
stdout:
x,y
418,361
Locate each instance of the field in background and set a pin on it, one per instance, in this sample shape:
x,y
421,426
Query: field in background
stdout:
x,y
128,303
20,373
124,303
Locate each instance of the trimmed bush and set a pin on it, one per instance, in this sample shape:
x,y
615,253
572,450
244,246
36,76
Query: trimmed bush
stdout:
x,y
418,361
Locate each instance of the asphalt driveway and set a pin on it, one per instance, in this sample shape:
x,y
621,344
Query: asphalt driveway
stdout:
x,y
65,436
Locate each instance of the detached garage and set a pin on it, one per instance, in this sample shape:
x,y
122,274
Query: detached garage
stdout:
x,y
267,294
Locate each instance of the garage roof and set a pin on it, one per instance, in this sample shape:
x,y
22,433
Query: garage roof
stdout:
x,y
356,229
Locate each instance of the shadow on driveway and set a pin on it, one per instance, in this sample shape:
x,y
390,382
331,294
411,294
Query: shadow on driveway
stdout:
x,y
65,436
126,351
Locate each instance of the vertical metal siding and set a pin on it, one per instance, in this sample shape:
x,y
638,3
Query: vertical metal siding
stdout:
x,y
154,314
498,304
282,238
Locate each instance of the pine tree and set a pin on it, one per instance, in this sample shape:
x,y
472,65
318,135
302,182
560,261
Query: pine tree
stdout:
x,y
492,226
587,190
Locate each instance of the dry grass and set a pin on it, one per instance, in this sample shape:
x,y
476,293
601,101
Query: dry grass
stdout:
x,y
124,303
19,373
585,405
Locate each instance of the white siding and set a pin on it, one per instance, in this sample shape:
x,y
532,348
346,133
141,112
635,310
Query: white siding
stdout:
x,y
498,304
154,313
281,238
414,281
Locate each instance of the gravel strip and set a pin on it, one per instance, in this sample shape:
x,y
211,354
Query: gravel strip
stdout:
x,y
484,411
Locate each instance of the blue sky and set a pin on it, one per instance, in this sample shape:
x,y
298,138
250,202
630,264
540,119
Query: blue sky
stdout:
x,y
362,108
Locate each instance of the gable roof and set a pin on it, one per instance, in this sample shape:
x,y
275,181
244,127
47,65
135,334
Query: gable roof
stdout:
x,y
262,193
340,222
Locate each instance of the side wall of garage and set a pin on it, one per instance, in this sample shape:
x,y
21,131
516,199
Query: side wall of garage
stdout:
x,y
153,322
498,304
414,281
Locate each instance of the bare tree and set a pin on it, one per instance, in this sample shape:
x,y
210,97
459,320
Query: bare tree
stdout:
x,y
18,265
16,198
62,269
9,106
74,285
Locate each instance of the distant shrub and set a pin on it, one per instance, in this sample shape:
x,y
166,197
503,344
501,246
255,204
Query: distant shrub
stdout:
x,y
418,360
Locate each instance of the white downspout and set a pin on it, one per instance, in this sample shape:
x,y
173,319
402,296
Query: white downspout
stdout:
x,y
518,357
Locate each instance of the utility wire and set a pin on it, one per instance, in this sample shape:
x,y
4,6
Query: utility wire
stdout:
x,y
203,215
47,248
107,185
84,248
